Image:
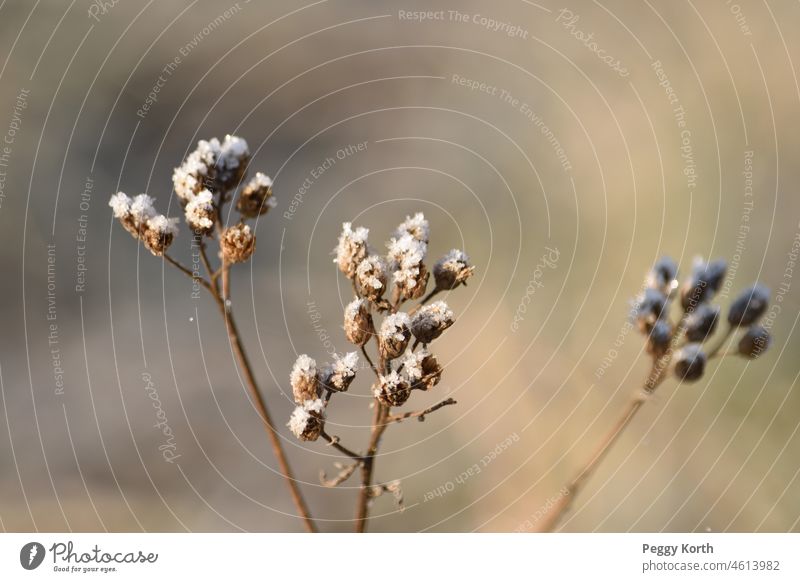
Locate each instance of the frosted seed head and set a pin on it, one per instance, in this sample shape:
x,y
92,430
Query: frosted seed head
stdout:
x,y
371,277
238,243
391,389
256,197
452,270
690,363
304,381
754,342
358,324
394,335
308,420
430,321
352,249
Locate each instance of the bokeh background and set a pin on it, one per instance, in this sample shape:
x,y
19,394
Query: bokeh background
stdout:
x,y
558,155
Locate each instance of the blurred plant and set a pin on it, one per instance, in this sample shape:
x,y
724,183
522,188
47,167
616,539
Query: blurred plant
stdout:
x,y
204,183
401,367
681,347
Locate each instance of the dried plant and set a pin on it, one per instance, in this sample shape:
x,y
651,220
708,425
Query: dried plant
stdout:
x,y
204,183
382,286
680,347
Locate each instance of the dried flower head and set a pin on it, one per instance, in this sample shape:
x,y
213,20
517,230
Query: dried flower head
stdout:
x,y
256,197
234,154
704,282
394,335
200,213
690,362
754,342
159,234
308,420
701,323
371,277
452,270
352,249
416,226
662,276
659,338
422,370
391,389
358,325
406,255
237,243
430,321
339,375
140,219
749,306
304,381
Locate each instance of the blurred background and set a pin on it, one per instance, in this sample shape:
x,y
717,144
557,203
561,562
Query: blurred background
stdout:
x,y
564,148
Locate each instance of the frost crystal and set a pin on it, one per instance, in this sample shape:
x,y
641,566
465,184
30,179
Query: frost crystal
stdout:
x,y
416,226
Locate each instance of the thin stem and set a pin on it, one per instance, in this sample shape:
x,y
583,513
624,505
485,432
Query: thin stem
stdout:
x,y
366,356
258,399
420,414
378,427
211,273
654,378
334,442
188,272
722,341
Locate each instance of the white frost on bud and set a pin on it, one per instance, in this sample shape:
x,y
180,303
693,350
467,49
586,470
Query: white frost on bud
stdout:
x,y
416,226
352,249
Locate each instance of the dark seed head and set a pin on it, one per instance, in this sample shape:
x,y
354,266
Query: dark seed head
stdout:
x,y
660,336
663,274
705,281
702,322
650,306
754,342
749,306
690,363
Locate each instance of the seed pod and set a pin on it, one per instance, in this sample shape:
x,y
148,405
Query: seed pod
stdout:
x,y
308,420
200,214
232,160
391,390
430,321
701,323
416,226
406,255
371,277
352,249
256,197
659,338
749,306
304,381
650,306
705,281
452,270
238,243
663,275
754,342
394,335
422,370
159,234
358,325
339,375
690,363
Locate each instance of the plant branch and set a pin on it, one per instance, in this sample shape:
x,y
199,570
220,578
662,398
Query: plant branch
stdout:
x,y
420,414
333,441
188,272
378,427
371,364
261,405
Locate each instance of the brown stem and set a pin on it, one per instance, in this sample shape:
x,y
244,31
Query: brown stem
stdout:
x,y
334,442
420,414
378,426
655,377
371,364
258,399
188,272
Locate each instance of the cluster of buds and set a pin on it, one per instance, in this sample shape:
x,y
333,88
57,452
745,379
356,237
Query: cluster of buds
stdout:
x,y
205,181
382,285
684,343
